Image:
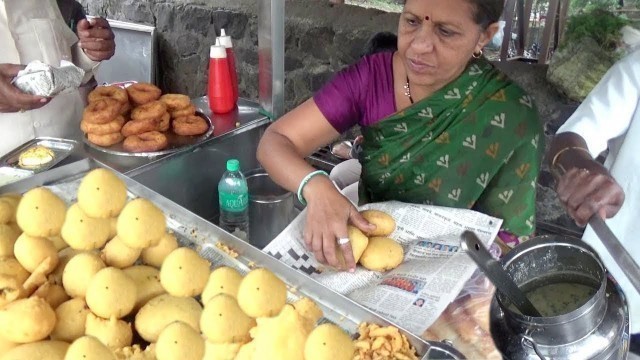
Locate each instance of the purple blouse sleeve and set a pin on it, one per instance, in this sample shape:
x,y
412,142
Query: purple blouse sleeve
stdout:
x,y
340,100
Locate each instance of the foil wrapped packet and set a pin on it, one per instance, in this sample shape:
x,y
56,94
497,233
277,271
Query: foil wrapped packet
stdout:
x,y
41,79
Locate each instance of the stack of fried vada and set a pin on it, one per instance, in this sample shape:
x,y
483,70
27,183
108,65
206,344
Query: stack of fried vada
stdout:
x,y
104,116
140,116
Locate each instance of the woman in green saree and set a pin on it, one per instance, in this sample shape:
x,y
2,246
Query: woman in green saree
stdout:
x,y
441,126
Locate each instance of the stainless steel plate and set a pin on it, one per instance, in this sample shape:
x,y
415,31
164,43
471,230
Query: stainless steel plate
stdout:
x,y
176,143
60,147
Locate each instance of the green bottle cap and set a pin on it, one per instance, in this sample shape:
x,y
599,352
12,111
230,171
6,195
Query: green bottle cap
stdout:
x,y
233,165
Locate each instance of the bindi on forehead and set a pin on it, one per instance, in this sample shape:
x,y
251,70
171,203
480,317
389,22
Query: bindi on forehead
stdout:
x,y
427,18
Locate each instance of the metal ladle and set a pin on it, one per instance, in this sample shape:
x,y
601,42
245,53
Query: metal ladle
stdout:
x,y
494,271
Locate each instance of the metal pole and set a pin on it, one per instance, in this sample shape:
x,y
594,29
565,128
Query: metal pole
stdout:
x,y
271,57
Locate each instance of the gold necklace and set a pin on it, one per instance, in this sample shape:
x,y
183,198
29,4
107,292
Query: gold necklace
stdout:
x,y
407,90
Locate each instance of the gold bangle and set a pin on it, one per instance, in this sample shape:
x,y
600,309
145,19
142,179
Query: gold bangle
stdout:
x,y
555,158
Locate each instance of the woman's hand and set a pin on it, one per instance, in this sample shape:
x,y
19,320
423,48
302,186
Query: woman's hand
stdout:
x,y
587,189
328,213
96,39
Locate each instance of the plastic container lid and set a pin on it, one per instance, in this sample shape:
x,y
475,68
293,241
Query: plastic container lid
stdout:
x,y
217,51
225,40
233,165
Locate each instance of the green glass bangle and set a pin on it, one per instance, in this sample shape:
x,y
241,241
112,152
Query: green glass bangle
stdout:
x,y
304,182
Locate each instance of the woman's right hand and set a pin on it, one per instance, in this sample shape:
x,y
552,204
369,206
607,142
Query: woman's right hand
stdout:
x,y
328,212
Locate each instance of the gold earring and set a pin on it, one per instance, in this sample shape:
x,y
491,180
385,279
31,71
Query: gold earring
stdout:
x,y
477,55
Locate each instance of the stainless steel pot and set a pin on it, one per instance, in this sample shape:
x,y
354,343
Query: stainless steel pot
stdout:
x,y
270,208
598,329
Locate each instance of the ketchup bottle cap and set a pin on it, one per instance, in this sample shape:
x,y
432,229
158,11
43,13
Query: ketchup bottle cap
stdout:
x,y
225,40
217,51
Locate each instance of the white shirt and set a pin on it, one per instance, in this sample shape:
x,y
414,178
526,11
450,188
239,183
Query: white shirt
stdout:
x,y
610,118
35,30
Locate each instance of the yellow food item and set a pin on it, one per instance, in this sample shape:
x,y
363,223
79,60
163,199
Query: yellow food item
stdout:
x,y
6,345
89,348
111,293
385,225
26,320
113,227
112,332
31,251
246,351
223,280
162,311
135,352
10,289
79,271
83,232
382,254
328,342
376,342
8,237
359,242
223,321
261,294
15,227
41,350
102,194
8,208
11,267
52,293
220,351
155,255
119,255
141,224
147,280
64,256
41,213
309,311
282,337
179,341
71,318
184,273
35,157
58,242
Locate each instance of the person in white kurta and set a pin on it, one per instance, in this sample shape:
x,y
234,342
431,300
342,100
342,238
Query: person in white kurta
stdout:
x,y
36,30
609,118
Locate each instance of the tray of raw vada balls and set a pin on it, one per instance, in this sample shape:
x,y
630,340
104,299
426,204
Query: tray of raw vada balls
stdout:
x,y
138,120
90,270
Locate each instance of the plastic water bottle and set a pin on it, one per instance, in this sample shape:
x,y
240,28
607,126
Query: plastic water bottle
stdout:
x,y
234,201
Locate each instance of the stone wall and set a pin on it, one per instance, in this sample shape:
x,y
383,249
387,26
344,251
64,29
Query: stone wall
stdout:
x,y
321,38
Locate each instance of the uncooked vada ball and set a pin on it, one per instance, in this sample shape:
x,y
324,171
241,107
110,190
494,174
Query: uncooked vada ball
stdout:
x,y
223,280
89,348
31,251
10,289
64,256
184,273
41,213
79,271
261,294
8,209
49,350
11,267
8,237
6,345
220,351
102,194
223,321
179,341
246,351
162,311
27,320
147,280
113,333
113,227
52,293
58,242
155,255
111,293
71,318
382,254
385,225
141,224
119,255
83,232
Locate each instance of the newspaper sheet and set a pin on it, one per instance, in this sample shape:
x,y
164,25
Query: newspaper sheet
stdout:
x,y
433,272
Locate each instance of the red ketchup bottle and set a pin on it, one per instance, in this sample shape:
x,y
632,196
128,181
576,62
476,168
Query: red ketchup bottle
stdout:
x,y
225,40
220,87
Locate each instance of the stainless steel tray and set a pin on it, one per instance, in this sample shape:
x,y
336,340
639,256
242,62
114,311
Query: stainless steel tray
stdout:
x,y
197,233
60,147
176,142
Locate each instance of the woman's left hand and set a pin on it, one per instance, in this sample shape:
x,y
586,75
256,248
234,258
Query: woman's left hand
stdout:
x,y
589,189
